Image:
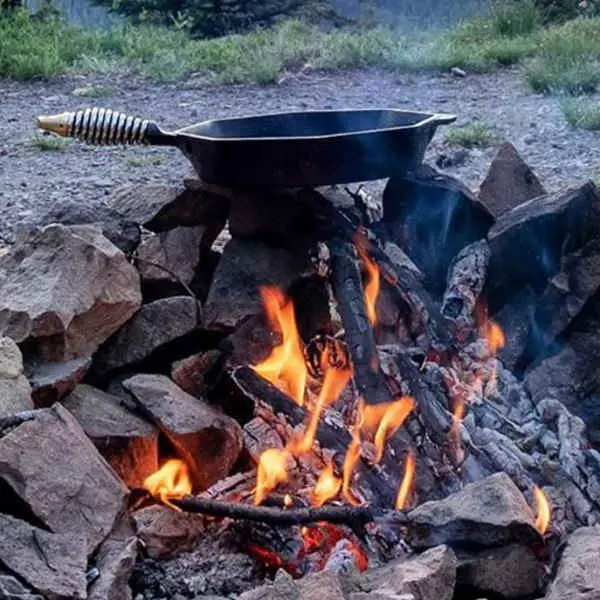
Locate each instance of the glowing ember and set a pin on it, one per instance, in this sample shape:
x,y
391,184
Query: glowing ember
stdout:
x,y
272,470
172,480
407,481
372,284
543,510
285,366
327,486
492,332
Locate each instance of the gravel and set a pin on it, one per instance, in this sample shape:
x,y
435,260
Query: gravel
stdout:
x,y
31,179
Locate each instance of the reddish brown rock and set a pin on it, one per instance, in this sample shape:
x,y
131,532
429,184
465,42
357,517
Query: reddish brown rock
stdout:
x,y
51,382
191,373
126,441
209,441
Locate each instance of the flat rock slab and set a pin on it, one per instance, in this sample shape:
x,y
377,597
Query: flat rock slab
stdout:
x,y
51,382
126,441
50,463
245,266
509,182
489,512
115,561
15,391
209,441
153,326
163,207
166,532
66,290
428,576
578,575
509,572
52,563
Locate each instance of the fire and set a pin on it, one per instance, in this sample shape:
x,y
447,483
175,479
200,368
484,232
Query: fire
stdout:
x,y
385,419
272,470
407,481
172,480
285,364
543,510
327,486
351,458
494,335
372,285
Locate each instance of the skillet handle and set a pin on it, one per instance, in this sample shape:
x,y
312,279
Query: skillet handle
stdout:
x,y
101,127
444,119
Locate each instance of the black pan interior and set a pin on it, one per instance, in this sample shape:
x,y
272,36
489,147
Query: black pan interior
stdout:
x,y
305,124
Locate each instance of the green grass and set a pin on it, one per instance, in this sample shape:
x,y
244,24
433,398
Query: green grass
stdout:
x,y
146,161
583,113
50,143
557,58
94,91
470,136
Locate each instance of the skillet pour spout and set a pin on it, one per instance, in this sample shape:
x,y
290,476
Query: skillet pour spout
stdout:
x,y
279,150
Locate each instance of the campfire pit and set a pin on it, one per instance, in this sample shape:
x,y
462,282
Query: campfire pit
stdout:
x,y
321,407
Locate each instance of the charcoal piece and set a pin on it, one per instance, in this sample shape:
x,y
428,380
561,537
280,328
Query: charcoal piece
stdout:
x,y
163,207
52,563
114,561
152,327
54,468
15,391
428,576
246,266
535,236
509,182
209,441
51,382
166,532
489,512
578,574
128,443
65,291
122,232
432,217
509,572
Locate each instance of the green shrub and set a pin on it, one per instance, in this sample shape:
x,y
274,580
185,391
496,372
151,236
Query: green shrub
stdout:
x,y
583,113
563,73
470,136
559,11
516,18
50,143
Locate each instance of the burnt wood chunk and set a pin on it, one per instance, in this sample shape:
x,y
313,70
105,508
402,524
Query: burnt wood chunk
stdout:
x,y
432,217
54,468
246,266
208,441
489,512
509,182
127,442
349,294
164,207
52,563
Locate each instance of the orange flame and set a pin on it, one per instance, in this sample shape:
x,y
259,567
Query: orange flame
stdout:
x,y
543,510
407,481
285,364
272,470
373,283
172,480
352,456
494,335
327,486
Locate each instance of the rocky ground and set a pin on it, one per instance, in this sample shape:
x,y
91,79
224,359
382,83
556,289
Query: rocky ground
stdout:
x,y
31,179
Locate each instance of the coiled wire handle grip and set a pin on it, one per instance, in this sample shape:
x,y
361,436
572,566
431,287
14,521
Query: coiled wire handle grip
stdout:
x,y
100,126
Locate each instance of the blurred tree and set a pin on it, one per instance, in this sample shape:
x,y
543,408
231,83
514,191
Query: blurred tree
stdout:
x,y
553,11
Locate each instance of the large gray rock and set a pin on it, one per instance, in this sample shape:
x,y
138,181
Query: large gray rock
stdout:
x,y
126,441
489,512
15,391
54,468
428,576
509,572
246,266
209,441
68,289
578,575
509,182
12,589
115,561
52,563
153,326
317,586
283,587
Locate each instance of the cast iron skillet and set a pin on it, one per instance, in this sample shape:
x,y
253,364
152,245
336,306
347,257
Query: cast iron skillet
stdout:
x,y
276,150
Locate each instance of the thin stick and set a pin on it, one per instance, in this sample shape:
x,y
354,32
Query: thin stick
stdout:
x,y
349,515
